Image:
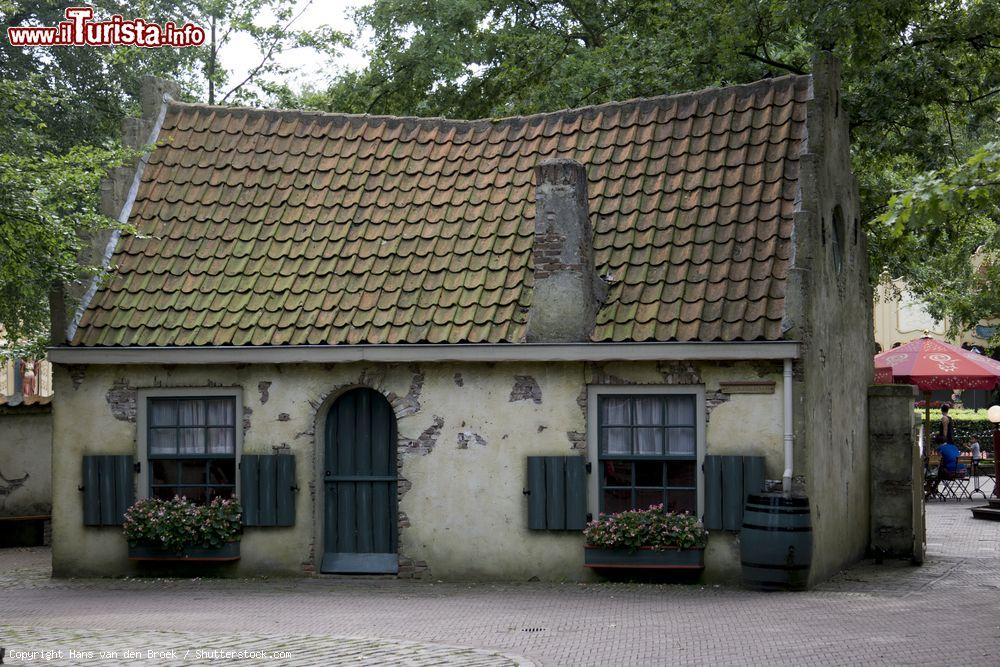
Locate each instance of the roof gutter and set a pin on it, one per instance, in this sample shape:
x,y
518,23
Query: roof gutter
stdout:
x,y
431,352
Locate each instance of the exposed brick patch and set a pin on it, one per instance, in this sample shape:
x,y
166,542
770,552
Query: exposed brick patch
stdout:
x,y
77,372
284,417
411,568
714,399
459,380
526,388
678,372
409,404
577,439
466,438
247,413
423,443
121,399
547,252
600,376
263,387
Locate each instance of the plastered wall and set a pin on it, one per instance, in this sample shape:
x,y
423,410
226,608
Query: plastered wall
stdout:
x,y
829,309
25,461
465,431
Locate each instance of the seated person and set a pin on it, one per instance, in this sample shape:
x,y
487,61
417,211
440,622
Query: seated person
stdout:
x,y
949,461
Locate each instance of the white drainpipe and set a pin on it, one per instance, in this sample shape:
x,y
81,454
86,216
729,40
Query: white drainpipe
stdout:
x,y
786,386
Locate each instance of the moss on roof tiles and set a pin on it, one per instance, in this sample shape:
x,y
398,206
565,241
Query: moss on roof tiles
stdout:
x,y
264,227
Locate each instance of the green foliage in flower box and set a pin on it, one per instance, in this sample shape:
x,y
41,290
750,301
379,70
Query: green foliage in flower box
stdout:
x,y
654,528
176,524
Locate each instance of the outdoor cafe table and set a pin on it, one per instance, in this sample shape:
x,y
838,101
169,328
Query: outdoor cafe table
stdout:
x,y
966,487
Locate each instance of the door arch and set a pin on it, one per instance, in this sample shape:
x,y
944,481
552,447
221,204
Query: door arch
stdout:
x,y
360,530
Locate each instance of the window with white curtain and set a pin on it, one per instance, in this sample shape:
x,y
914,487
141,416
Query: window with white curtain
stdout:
x,y
647,451
191,447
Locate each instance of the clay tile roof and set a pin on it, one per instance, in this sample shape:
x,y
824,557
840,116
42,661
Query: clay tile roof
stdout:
x,y
262,227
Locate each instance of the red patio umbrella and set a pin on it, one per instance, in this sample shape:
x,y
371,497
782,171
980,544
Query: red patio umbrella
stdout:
x,y
930,364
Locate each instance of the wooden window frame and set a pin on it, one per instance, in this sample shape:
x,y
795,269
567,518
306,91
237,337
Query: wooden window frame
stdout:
x,y
594,394
143,397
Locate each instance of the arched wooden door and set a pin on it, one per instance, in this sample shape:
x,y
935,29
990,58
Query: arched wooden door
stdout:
x,y
360,518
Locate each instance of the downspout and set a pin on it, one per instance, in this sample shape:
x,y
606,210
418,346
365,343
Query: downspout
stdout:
x,y
786,387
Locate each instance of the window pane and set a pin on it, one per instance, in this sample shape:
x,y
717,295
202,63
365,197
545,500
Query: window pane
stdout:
x,y
682,441
616,500
193,472
222,471
680,473
617,473
220,440
164,471
163,441
221,492
192,440
680,410
682,501
615,411
221,412
194,494
617,440
649,441
649,411
647,497
648,473
162,413
164,492
191,412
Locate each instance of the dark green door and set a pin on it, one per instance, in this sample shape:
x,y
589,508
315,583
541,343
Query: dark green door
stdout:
x,y
360,485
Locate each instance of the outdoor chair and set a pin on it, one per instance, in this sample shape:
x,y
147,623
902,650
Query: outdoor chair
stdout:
x,y
954,485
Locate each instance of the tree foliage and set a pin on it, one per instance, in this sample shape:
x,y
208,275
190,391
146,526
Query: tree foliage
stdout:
x,y
48,197
949,216
60,114
921,79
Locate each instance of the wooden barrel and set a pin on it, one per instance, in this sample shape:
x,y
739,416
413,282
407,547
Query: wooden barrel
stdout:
x,y
776,542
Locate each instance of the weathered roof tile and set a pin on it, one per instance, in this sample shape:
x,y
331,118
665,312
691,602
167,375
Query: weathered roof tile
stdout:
x,y
263,227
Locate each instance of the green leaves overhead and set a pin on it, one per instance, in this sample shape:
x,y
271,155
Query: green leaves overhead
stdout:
x,y
921,79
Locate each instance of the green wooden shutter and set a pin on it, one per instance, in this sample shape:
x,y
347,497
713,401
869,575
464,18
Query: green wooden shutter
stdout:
x,y
108,489
728,481
267,489
557,493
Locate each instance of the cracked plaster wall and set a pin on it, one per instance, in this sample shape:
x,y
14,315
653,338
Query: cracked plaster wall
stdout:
x,y
25,462
461,453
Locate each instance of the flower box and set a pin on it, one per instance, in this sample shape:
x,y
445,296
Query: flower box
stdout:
x,y
644,558
228,552
178,530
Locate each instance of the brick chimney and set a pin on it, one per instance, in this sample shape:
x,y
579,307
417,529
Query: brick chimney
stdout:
x,y
567,291
137,133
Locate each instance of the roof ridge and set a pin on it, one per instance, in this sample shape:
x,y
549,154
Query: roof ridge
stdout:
x,y
635,101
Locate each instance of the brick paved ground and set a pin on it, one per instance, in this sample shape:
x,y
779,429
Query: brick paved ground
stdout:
x,y
947,611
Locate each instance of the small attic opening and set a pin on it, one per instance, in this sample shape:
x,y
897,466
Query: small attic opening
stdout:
x,y
838,238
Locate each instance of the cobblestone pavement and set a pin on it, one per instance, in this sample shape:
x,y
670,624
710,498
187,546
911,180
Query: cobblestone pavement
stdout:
x,y
947,611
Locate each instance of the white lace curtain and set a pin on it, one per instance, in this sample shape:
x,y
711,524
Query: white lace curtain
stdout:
x,y
192,426
648,425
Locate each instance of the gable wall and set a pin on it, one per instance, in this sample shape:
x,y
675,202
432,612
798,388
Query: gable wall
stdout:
x,y
465,431
830,311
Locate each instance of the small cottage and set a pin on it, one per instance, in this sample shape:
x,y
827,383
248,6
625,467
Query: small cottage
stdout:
x,y
369,328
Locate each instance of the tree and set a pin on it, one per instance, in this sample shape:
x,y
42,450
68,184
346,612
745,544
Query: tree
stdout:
x,y
921,78
60,113
955,211
47,199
